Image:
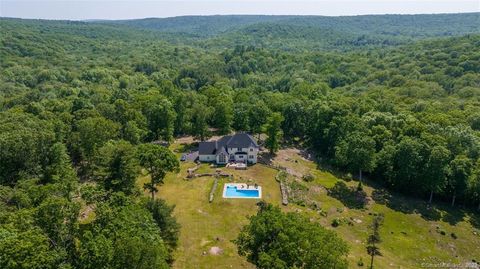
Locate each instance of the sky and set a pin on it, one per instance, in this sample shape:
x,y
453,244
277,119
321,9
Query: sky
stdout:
x,y
131,9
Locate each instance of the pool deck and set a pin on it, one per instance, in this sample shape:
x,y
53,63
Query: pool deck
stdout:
x,y
242,186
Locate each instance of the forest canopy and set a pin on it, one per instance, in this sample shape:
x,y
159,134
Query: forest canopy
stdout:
x,y
80,104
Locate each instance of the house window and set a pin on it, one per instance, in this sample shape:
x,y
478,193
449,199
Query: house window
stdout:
x,y
222,158
239,149
240,156
250,156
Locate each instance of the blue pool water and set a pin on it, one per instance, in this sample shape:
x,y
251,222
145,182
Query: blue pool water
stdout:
x,y
233,192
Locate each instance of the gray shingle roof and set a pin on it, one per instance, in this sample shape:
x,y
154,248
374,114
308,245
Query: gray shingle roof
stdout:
x,y
207,148
239,140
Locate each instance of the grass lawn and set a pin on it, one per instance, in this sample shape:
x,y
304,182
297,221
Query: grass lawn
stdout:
x,y
412,234
216,224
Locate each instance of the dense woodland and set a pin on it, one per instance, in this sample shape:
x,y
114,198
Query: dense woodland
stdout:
x,y
81,102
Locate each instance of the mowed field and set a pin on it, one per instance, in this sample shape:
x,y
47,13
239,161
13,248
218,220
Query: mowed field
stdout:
x,y
413,235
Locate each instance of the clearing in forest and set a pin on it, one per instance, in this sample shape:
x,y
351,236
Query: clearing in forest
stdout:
x,y
412,234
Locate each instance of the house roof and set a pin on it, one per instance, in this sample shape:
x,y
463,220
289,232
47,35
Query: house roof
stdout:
x,y
222,142
207,148
239,140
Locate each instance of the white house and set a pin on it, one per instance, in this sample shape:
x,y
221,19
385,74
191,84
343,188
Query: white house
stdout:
x,y
240,147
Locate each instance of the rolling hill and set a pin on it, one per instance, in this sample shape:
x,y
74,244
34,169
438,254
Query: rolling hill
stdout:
x,y
307,32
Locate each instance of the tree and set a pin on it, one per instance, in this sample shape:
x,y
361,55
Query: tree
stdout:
x,y
200,114
181,108
160,119
58,218
133,251
24,143
475,185
223,116
274,132
374,239
384,164
117,166
132,133
95,251
257,116
461,170
356,152
295,121
436,170
277,240
408,164
59,169
163,215
240,116
128,234
94,132
27,249
158,161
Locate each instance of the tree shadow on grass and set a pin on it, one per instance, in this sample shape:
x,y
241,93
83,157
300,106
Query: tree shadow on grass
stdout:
x,y
453,215
265,158
475,219
381,196
349,196
430,212
395,201
407,206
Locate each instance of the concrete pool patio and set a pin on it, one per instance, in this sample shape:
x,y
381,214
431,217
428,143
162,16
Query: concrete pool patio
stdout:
x,y
242,191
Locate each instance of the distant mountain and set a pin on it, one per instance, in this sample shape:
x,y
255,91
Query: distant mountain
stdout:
x,y
200,26
307,32
279,32
394,25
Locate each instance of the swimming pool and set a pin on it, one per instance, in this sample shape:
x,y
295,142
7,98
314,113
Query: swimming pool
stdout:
x,y
234,190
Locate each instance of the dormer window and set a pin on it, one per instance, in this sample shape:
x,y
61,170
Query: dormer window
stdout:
x,y
251,149
239,149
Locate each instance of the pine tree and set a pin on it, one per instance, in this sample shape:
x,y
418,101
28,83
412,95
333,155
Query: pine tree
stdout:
x,y
374,238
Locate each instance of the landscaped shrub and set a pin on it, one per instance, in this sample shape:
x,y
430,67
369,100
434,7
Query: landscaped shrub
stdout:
x,y
308,178
339,221
314,205
360,262
300,202
322,213
359,187
281,176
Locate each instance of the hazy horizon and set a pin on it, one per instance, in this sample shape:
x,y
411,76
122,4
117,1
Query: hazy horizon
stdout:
x,y
128,9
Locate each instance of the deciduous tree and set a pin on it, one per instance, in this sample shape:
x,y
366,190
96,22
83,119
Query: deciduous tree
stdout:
x,y
117,167
274,132
158,161
276,240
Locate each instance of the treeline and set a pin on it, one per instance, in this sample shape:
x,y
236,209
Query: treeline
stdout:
x,y
307,32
